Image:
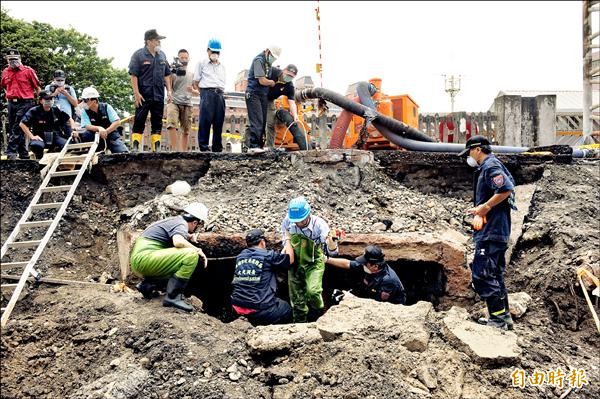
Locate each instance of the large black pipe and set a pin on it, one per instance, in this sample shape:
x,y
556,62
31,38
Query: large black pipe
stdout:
x,y
362,111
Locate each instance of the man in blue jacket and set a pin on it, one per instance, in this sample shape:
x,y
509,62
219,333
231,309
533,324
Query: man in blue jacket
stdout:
x,y
255,282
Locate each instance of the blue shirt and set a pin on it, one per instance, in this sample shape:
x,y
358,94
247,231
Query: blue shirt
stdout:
x,y
62,102
112,116
254,279
493,178
383,286
150,71
259,68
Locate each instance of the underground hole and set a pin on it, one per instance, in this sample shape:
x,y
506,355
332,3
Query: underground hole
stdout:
x,y
422,281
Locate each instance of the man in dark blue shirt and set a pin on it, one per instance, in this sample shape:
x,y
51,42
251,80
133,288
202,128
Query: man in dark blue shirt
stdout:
x,y
493,198
255,283
149,71
380,282
256,97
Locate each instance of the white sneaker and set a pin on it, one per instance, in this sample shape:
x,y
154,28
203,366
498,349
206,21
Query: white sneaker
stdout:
x,y
256,150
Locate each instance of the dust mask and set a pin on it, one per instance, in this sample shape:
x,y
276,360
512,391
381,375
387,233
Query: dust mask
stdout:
x,y
14,63
366,270
48,103
472,162
157,49
271,59
287,78
214,57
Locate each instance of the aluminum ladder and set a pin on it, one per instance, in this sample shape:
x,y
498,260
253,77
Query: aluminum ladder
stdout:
x,y
71,152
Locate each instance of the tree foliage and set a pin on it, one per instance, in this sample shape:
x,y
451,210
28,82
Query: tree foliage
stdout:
x,y
46,49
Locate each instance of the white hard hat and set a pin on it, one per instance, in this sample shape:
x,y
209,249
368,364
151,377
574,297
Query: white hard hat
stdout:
x,y
198,210
275,50
89,92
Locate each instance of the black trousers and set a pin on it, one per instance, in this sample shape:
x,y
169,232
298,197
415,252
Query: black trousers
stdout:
x,y
156,109
212,113
256,105
16,137
279,313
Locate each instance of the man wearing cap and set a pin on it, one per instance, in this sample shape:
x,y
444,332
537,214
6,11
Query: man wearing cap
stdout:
x,y
255,281
209,78
284,86
256,97
64,95
165,251
493,198
46,126
149,71
21,86
100,118
379,281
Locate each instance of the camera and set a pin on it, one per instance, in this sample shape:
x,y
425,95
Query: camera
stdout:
x,y
54,86
177,68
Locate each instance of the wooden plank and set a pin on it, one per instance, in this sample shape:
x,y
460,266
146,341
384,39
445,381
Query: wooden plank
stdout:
x,y
47,280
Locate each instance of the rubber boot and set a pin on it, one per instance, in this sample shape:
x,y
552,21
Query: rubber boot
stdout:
x,y
498,314
505,316
174,297
314,314
150,287
155,139
136,141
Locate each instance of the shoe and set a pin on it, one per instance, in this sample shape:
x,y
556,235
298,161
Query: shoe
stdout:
x,y
500,321
256,150
174,297
12,157
147,289
499,315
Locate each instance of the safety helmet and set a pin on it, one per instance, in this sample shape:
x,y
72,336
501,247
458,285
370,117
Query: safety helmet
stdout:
x,y
59,73
197,210
298,209
275,50
89,92
214,45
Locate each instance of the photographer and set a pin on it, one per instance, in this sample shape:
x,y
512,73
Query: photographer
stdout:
x,y
46,126
179,111
64,95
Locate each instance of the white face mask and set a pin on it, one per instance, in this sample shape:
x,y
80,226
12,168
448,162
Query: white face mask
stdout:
x,y
59,83
83,106
48,103
367,270
214,57
472,162
157,49
14,63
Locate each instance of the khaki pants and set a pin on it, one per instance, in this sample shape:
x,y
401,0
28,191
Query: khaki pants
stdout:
x,y
270,126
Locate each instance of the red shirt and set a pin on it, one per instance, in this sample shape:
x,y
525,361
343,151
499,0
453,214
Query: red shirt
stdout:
x,y
20,83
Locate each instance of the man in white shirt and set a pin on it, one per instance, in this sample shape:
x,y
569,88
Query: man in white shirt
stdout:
x,y
210,79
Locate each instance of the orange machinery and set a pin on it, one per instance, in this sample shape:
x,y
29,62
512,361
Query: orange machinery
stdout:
x,y
400,107
283,137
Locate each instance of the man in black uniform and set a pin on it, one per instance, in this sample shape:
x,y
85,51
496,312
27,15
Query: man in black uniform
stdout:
x,y
255,283
284,86
493,187
46,126
149,71
380,282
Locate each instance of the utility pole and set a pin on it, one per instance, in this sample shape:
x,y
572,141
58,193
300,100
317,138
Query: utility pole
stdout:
x,y
320,64
590,75
452,87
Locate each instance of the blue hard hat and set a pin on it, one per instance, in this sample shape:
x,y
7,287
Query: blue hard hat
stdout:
x,y
298,209
214,45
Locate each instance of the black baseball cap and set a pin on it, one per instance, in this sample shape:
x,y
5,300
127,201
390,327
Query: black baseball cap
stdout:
x,y
12,53
373,254
254,236
292,68
45,95
475,141
59,73
152,34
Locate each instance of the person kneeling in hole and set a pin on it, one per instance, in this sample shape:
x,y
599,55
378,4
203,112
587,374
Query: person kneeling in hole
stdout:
x,y
255,283
379,281
164,252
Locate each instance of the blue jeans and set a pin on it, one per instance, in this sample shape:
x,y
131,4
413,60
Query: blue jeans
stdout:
x,y
113,141
488,269
279,313
37,146
212,112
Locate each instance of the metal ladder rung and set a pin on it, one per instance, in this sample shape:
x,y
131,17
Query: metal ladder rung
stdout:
x,y
80,145
73,158
65,173
40,223
13,264
55,189
24,244
2,309
47,205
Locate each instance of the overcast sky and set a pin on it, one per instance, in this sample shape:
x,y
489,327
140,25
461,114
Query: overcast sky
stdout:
x,y
410,45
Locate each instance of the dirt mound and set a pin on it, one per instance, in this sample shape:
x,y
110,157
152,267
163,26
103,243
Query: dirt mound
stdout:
x,y
78,342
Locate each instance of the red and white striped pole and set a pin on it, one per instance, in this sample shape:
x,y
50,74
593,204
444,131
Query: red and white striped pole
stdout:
x,y
320,64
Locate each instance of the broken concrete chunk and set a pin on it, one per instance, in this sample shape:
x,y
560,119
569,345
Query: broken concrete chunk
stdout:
x,y
487,345
180,187
282,337
359,316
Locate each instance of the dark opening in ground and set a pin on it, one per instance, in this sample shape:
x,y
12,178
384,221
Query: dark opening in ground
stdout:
x,y
422,281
